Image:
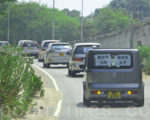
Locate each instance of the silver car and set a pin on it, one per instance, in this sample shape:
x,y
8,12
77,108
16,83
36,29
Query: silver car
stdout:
x,y
113,75
44,46
3,44
29,47
57,53
77,60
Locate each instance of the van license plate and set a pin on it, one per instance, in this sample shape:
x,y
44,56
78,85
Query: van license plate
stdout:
x,y
30,48
61,54
114,95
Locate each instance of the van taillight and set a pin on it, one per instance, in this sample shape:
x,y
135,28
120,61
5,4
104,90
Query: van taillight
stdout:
x,y
77,59
97,92
132,92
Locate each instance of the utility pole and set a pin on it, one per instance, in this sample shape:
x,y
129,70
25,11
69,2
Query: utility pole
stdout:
x,y
8,21
27,20
132,25
53,25
81,32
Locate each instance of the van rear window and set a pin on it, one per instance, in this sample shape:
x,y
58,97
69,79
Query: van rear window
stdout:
x,y
108,60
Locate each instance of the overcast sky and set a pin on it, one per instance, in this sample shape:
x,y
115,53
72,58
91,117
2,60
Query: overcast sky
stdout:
x,y
89,5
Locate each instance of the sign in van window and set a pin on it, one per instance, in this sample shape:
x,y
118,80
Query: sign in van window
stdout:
x,y
122,60
103,60
112,60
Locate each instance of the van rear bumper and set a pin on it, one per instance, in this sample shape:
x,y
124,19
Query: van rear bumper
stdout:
x,y
122,88
114,100
113,85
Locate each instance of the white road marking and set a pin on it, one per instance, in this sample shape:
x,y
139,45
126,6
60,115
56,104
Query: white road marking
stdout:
x,y
56,87
53,80
58,108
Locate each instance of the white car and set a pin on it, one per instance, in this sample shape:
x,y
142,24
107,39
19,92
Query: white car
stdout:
x,y
77,60
57,53
44,46
30,47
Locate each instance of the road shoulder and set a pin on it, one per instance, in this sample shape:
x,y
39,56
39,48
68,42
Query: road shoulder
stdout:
x,y
44,108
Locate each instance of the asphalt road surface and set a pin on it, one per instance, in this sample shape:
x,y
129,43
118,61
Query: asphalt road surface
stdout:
x,y
72,104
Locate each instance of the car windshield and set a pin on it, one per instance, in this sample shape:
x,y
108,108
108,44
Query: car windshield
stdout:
x,y
30,44
112,60
46,44
3,44
84,49
61,47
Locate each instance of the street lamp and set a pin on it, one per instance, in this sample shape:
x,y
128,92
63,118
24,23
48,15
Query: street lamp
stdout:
x,y
53,24
81,32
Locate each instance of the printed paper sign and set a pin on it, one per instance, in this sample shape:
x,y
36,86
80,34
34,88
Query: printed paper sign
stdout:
x,y
103,60
122,60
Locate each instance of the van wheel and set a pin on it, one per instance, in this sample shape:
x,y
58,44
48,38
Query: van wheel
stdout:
x,y
140,103
86,101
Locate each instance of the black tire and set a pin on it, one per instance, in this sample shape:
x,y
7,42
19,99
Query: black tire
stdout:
x,y
44,65
73,73
67,65
69,72
47,65
140,103
86,101
39,60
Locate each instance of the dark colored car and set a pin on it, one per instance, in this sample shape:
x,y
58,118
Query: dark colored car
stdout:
x,y
113,75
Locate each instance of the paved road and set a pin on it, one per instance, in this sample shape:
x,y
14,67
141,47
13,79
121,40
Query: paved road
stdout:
x,y
73,108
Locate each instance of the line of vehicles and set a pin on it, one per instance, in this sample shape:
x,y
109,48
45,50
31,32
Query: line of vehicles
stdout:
x,y
110,75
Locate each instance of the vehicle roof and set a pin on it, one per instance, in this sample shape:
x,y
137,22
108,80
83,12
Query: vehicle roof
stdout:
x,y
78,44
114,50
50,40
26,41
59,43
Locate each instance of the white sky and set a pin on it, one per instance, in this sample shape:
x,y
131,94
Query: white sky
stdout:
x,y
89,5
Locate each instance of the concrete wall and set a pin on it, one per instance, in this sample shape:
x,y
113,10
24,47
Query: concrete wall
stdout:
x,y
122,39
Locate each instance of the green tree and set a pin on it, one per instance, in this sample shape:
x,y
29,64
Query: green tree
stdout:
x,y
34,21
1,1
109,20
73,13
141,7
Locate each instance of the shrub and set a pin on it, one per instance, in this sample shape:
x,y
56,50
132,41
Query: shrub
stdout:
x,y
18,82
145,58
147,66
